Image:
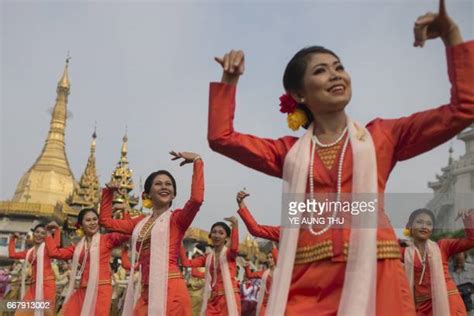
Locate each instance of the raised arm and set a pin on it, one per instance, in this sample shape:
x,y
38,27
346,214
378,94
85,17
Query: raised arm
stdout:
x,y
454,246
53,248
233,246
186,215
425,130
262,231
12,253
265,155
124,226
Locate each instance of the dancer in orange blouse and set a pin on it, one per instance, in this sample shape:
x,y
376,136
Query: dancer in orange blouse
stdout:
x,y
90,289
262,231
221,292
332,158
46,281
170,295
426,264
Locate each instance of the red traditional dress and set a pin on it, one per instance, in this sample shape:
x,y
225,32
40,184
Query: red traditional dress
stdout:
x,y
49,283
422,280
217,305
178,301
320,264
104,290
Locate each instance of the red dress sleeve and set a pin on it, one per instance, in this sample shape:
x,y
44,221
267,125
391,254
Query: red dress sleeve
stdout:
x,y
53,248
124,226
454,246
185,216
116,239
12,253
253,275
257,230
262,154
422,131
125,260
233,250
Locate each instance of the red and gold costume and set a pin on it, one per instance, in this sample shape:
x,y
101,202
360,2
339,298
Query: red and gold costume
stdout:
x,y
320,263
178,301
104,290
448,248
217,305
49,283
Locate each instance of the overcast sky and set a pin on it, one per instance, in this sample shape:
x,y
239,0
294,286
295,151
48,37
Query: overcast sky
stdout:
x,y
147,66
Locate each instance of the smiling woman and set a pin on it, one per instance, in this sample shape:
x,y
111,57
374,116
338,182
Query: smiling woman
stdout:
x,y
338,155
221,290
89,291
426,264
43,285
156,240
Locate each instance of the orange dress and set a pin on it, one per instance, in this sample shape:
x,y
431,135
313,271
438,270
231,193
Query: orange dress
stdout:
x,y
448,248
104,290
49,282
323,257
178,302
217,305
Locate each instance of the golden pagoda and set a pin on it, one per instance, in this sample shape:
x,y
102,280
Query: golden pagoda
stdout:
x,y
123,176
43,189
86,193
50,179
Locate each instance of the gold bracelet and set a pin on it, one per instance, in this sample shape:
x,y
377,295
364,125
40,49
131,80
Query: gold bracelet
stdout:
x,y
197,158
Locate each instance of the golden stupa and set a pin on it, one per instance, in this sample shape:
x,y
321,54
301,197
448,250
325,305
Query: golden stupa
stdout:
x,y
43,189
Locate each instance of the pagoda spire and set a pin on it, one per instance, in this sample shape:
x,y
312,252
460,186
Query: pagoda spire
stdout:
x,y
86,193
50,177
123,176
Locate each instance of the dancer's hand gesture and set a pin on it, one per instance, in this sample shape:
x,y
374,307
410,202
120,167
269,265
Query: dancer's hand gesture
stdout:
x,y
233,65
432,25
240,198
187,157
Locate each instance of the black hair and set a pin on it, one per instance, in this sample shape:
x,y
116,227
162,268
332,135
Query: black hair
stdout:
x,y
417,212
295,70
38,226
152,176
223,225
83,213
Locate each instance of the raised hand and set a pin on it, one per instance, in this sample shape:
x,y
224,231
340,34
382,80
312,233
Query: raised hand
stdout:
x,y
113,185
16,235
233,66
463,214
432,25
187,157
52,225
232,220
240,198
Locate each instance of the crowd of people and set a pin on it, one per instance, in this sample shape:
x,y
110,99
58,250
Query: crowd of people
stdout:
x,y
313,269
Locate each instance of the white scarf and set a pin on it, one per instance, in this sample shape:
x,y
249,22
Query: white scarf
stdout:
x,y
226,278
359,291
39,274
439,292
88,306
261,293
159,253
